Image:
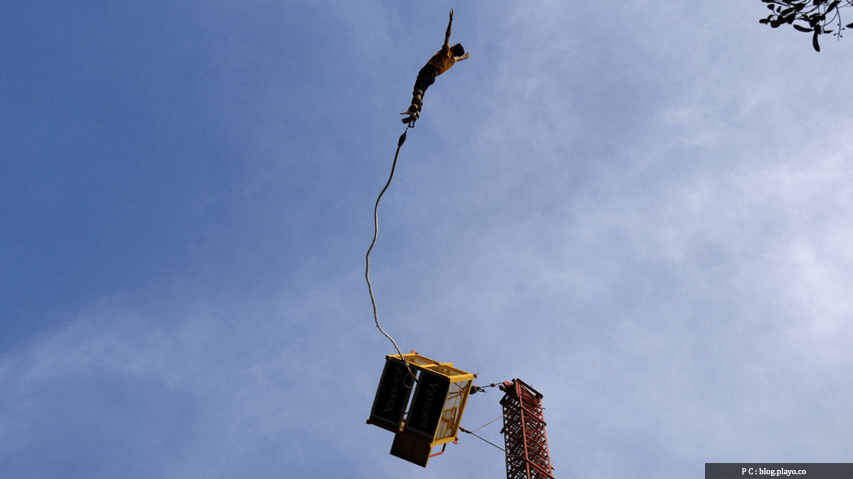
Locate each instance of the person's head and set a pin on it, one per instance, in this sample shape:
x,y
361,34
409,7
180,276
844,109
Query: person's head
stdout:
x,y
457,50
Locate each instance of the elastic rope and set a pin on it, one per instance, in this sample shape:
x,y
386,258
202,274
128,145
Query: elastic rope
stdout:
x,y
375,235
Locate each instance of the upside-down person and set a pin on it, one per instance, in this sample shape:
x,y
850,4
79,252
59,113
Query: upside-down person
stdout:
x,y
438,64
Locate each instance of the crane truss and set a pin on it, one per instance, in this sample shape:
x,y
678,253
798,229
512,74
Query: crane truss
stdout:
x,y
524,432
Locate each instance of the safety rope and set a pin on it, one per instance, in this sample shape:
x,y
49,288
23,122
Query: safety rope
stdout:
x,y
477,389
493,420
375,234
481,438
481,427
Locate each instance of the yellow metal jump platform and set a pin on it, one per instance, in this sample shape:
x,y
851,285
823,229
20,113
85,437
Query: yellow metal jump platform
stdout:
x,y
433,417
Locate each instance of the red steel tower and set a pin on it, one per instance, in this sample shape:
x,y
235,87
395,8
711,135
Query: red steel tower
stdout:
x,y
524,432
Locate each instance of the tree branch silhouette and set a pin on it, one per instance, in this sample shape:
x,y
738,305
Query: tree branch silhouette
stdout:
x,y
817,17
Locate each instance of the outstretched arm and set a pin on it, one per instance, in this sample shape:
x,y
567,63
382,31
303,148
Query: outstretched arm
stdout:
x,y
447,35
463,57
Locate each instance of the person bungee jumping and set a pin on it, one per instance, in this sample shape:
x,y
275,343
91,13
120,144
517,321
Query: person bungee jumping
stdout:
x,y
438,64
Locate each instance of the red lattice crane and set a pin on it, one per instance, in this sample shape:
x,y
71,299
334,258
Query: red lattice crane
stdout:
x,y
524,432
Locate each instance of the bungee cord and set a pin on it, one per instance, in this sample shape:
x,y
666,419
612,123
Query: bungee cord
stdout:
x,y
375,235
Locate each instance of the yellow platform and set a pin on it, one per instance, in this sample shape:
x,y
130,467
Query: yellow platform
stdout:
x,y
432,417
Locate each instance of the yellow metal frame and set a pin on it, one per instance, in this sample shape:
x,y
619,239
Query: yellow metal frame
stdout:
x,y
457,395
414,443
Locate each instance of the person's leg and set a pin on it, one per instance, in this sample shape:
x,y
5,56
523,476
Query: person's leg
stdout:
x,y
426,77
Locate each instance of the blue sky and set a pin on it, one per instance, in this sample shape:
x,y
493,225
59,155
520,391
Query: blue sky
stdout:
x,y
642,209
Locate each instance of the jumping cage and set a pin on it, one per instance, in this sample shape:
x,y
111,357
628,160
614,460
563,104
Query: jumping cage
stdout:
x,y
434,412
